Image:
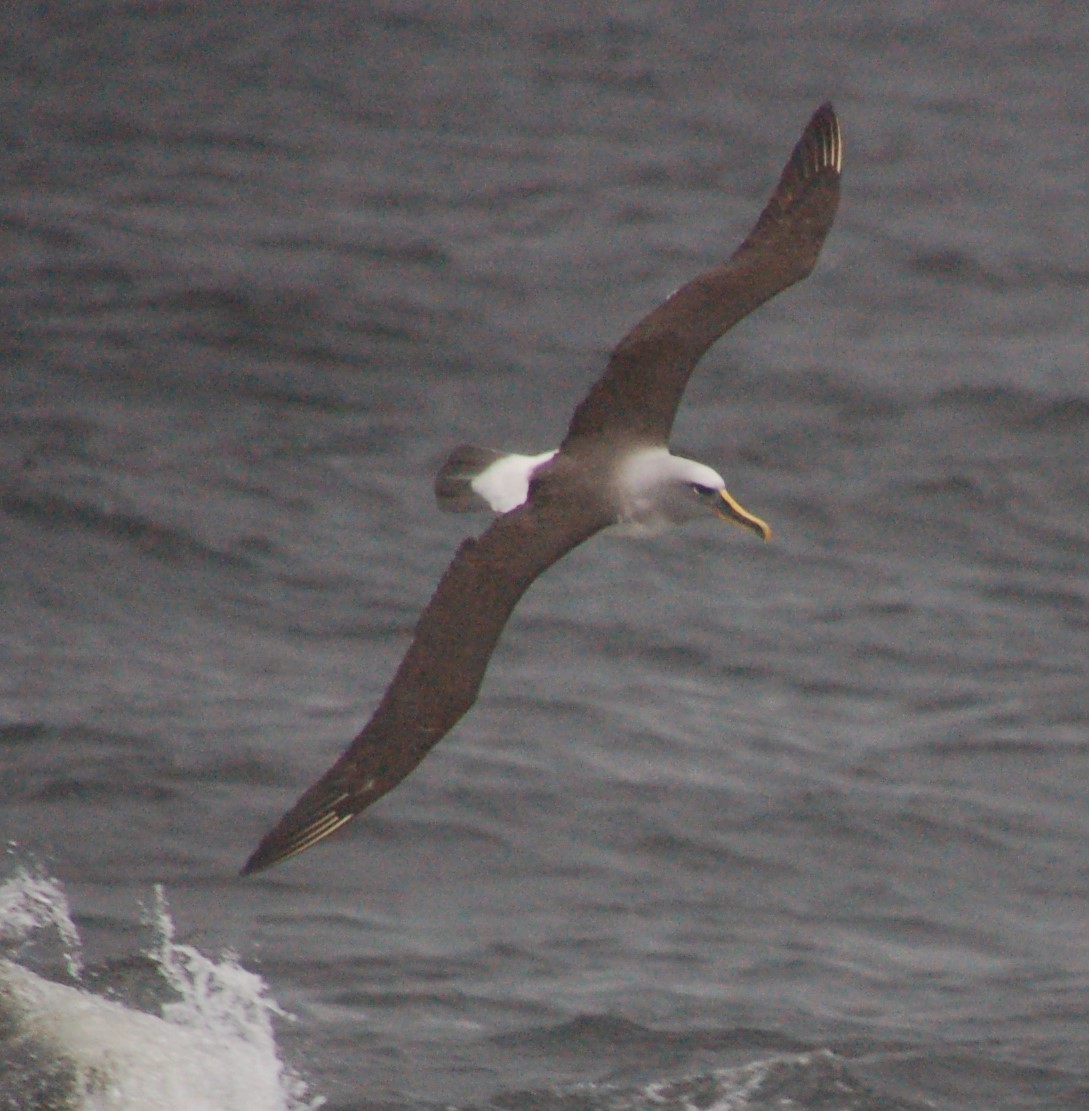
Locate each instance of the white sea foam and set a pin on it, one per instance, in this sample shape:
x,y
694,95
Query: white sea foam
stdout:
x,y
30,903
210,1049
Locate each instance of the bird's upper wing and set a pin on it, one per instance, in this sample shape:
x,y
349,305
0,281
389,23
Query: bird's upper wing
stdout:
x,y
440,676
641,388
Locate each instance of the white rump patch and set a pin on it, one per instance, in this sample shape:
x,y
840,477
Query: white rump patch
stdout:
x,y
505,484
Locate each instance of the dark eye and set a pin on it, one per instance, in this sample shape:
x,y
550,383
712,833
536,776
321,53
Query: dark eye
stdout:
x,y
703,491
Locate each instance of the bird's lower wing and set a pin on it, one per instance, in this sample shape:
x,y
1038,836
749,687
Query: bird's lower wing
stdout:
x,y
441,673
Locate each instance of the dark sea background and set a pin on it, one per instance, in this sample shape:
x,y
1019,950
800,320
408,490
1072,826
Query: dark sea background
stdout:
x,y
732,824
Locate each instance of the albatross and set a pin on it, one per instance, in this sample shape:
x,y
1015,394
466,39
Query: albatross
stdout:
x,y
614,467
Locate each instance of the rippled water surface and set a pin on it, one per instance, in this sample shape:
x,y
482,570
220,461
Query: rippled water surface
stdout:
x,y
797,821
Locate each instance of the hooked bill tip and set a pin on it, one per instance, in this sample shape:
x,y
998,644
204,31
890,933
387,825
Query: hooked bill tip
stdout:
x,y
732,510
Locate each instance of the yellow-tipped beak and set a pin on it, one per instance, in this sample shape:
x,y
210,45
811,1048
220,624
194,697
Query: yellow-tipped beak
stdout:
x,y
730,510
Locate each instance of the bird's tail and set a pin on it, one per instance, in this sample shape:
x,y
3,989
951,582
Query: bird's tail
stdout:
x,y
453,484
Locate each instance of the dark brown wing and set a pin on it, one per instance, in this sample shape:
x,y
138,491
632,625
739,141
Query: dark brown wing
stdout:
x,y
440,676
638,395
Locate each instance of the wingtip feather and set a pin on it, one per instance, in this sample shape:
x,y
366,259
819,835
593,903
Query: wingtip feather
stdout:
x,y
821,144
296,832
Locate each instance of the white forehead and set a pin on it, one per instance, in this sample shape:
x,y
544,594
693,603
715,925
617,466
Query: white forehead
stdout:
x,y
651,467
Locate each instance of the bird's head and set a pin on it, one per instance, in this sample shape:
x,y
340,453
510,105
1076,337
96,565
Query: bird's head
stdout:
x,y
658,489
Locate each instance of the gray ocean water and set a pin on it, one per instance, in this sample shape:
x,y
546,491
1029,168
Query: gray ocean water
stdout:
x,y
819,803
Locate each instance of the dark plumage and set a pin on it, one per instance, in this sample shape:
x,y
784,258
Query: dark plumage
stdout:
x,y
613,466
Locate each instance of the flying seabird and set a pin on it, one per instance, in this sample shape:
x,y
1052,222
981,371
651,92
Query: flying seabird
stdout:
x,y
614,467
